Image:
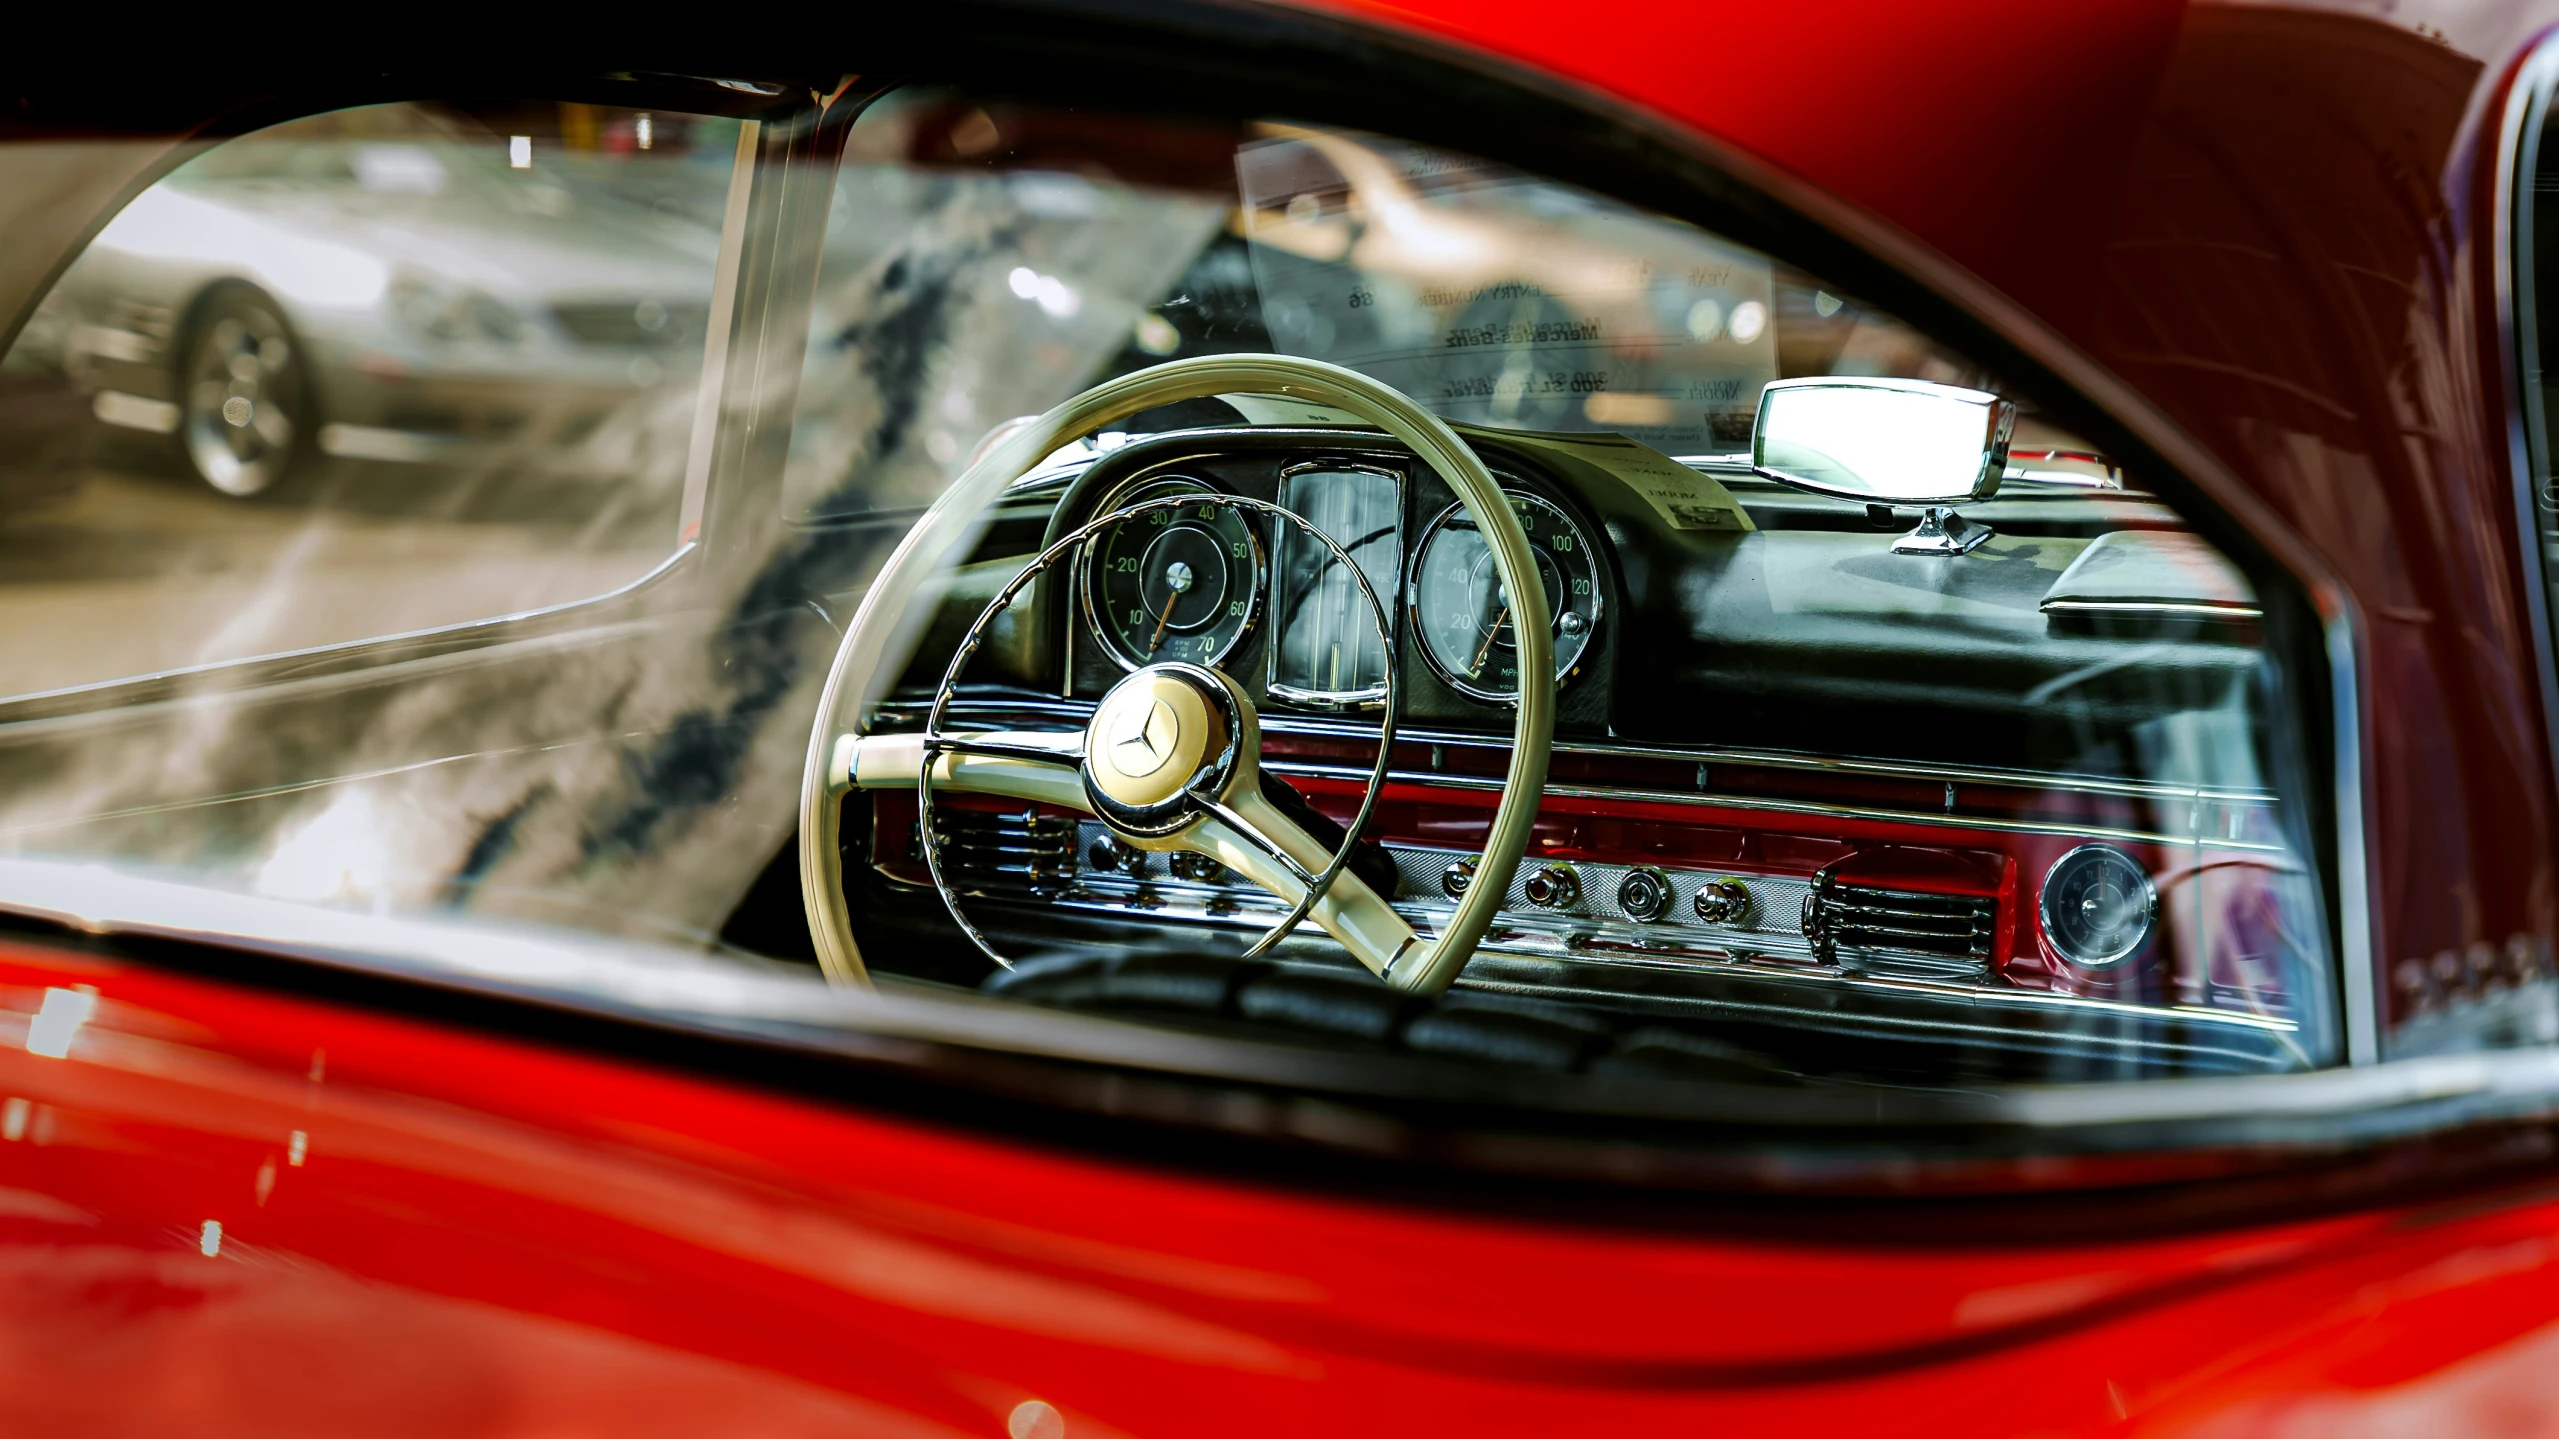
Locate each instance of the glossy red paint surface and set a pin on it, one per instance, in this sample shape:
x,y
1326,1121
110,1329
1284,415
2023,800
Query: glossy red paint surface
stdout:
x,y
484,1236
2270,221
2274,222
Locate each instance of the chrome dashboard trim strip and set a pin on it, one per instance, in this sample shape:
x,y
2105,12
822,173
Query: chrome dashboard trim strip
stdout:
x,y
1705,800
1779,759
1079,712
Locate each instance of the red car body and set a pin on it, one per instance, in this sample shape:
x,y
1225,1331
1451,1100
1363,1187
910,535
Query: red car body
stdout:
x,y
235,1208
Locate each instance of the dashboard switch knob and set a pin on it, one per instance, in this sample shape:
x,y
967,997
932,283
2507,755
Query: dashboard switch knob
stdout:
x,y
1644,894
1454,879
1723,901
1111,855
1553,886
1197,868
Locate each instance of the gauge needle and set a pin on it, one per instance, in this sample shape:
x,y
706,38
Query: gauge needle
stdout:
x,y
1489,636
1179,580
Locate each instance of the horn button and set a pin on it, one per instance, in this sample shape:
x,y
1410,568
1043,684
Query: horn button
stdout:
x,y
1150,738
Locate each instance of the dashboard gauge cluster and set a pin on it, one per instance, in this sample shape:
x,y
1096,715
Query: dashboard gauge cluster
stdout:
x,y
1278,609
1462,614
1173,584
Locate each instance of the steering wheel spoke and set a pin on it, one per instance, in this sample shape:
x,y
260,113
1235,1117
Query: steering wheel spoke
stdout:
x,y
1011,764
1030,747
1251,829
1253,838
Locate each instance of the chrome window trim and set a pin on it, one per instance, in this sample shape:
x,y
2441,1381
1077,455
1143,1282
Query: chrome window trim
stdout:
x,y
267,670
711,392
2359,981
2527,107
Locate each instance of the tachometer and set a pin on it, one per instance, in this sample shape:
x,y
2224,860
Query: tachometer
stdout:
x,y
1173,584
1463,614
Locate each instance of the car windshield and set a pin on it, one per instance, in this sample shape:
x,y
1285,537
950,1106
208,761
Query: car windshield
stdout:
x,y
455,512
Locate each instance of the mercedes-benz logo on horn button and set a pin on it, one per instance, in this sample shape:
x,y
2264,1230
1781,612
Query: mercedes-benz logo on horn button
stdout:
x,y
1145,738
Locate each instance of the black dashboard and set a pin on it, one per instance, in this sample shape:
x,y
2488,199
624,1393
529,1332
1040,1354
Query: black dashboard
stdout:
x,y
1796,629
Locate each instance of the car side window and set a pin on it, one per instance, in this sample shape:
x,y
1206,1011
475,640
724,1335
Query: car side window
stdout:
x,y
2012,737
366,373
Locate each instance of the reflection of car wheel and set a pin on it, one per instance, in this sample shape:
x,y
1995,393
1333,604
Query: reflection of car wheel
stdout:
x,y
243,395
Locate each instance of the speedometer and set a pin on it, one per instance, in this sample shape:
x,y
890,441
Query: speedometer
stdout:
x,y
1463,613
1180,583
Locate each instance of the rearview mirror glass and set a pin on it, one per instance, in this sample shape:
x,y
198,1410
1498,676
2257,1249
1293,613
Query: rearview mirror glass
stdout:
x,y
1900,442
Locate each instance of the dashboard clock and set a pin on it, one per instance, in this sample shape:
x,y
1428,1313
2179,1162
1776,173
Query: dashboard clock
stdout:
x,y
1181,583
1463,614
2097,905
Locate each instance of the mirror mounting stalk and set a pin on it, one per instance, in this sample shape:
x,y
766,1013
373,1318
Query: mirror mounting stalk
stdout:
x,y
1941,532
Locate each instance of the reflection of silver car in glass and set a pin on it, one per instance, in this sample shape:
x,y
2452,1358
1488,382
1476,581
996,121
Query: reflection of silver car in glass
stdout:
x,y
407,300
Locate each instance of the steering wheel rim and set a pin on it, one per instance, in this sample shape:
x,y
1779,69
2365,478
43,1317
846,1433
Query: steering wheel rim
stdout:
x,y
901,600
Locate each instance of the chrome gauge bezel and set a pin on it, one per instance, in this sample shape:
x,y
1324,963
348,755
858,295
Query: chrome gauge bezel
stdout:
x,y
2149,909
1256,577
1418,624
1272,685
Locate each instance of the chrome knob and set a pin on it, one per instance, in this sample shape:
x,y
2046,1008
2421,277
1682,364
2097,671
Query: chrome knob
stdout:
x,y
1453,881
1723,901
1553,886
1197,868
1110,855
1644,894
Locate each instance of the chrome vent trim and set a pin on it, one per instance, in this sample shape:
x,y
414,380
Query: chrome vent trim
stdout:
x,y
1015,850
1907,933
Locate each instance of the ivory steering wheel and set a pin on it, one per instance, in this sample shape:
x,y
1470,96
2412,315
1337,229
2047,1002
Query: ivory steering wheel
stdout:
x,y
1196,783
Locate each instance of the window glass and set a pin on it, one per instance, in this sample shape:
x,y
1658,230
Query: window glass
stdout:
x,y
2030,801
372,372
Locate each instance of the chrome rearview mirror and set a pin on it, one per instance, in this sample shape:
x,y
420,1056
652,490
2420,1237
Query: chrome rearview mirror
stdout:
x,y
1888,442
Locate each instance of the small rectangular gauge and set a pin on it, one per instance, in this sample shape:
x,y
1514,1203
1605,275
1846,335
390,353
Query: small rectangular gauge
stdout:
x,y
1326,648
